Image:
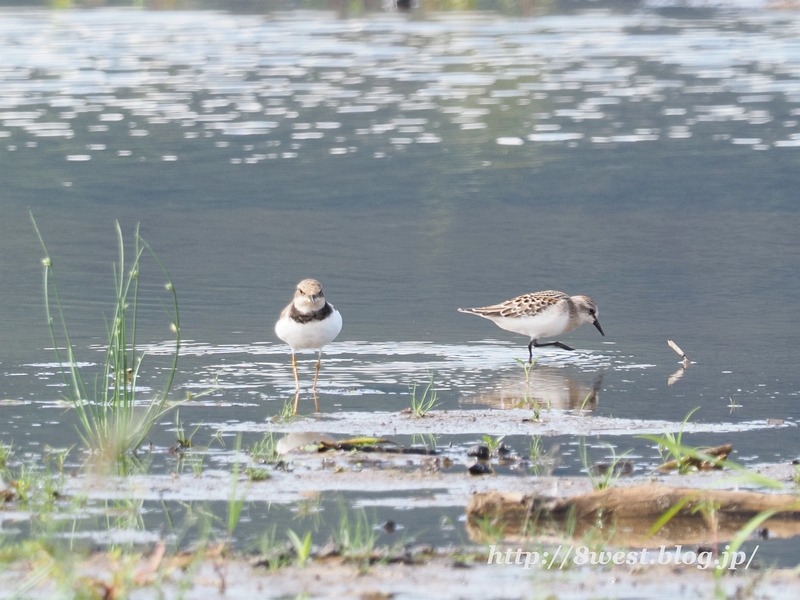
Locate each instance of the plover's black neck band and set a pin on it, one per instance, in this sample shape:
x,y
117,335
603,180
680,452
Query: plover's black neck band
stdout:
x,y
320,315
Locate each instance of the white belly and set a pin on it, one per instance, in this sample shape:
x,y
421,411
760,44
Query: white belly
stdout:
x,y
546,324
311,335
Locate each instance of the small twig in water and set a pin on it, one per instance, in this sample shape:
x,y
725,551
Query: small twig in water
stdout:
x,y
679,352
679,373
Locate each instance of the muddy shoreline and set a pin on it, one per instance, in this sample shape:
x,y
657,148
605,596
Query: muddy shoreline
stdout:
x,y
442,575
409,481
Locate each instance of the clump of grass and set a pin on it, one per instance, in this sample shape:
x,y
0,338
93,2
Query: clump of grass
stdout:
x,y
261,453
527,401
492,443
56,457
265,450
356,539
113,423
302,546
6,452
256,473
183,441
491,530
671,448
32,486
423,405
527,366
535,448
273,553
286,414
543,462
796,475
47,562
236,498
606,476
427,440
185,449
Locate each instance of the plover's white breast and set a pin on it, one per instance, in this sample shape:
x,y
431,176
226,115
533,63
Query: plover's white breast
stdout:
x,y
312,334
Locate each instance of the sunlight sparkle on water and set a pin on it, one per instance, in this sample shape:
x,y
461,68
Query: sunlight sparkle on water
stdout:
x,y
455,73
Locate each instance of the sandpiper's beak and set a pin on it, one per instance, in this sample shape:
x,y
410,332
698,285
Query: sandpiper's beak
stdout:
x,y
597,324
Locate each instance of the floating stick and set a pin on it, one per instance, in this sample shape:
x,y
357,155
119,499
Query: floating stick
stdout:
x,y
677,349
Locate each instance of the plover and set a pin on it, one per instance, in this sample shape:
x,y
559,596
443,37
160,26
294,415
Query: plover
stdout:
x,y
541,314
308,323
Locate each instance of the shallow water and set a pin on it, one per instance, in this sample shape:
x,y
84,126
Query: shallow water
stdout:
x,y
414,164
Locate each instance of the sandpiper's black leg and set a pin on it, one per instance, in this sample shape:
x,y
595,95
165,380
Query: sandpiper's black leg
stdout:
x,y
558,344
530,352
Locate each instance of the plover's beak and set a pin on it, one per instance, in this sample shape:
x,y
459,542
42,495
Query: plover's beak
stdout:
x,y
597,324
313,298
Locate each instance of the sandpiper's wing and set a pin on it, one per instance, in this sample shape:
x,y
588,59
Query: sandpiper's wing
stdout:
x,y
522,306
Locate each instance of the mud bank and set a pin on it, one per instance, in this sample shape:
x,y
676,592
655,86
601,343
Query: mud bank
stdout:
x,y
441,576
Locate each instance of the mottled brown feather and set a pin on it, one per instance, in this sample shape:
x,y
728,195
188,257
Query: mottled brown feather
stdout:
x,y
521,306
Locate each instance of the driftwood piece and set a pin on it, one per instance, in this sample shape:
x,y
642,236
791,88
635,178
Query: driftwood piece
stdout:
x,y
626,514
720,453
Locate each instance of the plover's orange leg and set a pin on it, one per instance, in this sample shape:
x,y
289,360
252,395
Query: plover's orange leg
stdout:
x,y
294,370
316,373
296,400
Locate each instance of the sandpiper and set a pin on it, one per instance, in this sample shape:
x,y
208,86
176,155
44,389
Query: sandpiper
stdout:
x,y
308,323
541,314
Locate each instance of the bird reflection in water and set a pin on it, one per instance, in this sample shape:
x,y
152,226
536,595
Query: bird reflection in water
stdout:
x,y
545,387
